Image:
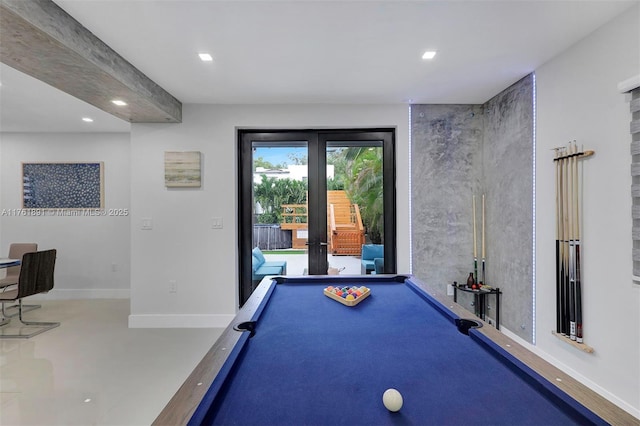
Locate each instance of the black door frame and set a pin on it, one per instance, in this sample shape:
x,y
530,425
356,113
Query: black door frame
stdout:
x,y
317,144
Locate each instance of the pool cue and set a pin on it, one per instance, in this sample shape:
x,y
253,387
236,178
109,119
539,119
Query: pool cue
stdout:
x,y
558,252
572,244
565,248
576,242
475,246
563,328
587,153
483,242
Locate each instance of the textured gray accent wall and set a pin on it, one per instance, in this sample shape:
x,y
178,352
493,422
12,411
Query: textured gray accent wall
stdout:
x,y
446,149
508,184
635,178
461,150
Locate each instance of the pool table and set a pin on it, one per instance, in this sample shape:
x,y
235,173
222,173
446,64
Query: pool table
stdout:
x,y
294,356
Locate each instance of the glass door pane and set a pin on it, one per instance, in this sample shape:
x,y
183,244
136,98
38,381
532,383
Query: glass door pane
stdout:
x,y
280,217
355,206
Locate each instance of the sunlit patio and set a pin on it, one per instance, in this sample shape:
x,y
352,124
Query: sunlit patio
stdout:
x,y
297,262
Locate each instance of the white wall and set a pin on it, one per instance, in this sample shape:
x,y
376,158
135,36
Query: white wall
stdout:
x,y
578,99
89,246
182,246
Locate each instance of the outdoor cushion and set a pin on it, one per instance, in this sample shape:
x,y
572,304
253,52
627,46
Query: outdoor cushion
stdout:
x,y
261,268
258,254
269,270
370,252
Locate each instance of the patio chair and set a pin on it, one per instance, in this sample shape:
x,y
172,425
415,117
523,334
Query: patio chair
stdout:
x,y
370,252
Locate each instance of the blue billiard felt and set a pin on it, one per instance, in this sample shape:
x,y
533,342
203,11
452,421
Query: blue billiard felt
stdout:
x,y
291,371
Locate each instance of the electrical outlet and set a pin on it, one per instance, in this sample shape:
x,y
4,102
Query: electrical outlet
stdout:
x,y
114,267
173,286
449,290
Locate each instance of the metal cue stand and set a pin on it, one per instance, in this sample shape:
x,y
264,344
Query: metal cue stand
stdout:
x,y
479,302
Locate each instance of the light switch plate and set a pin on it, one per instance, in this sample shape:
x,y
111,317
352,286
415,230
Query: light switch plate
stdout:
x,y
147,223
216,223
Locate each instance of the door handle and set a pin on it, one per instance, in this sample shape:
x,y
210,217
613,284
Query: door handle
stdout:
x,y
321,243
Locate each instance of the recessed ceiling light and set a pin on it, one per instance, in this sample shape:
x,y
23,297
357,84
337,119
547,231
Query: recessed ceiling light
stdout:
x,y
119,102
87,119
429,54
205,57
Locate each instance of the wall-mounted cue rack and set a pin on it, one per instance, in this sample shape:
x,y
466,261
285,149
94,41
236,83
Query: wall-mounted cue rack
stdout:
x,y
568,248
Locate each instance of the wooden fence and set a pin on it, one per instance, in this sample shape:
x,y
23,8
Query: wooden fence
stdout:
x,y
271,237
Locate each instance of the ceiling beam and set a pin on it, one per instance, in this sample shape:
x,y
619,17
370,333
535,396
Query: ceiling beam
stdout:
x,y
40,39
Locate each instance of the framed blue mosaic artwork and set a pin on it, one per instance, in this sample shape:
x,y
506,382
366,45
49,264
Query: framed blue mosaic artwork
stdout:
x,y
62,185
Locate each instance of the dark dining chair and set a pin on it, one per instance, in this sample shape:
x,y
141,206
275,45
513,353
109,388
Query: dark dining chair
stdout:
x,y
36,276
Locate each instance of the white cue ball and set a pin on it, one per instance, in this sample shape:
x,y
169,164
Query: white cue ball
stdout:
x,y
392,400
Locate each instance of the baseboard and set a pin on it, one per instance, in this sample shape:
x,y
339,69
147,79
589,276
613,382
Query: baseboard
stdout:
x,y
579,377
74,293
179,321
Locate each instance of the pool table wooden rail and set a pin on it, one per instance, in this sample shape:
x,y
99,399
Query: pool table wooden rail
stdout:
x,y
183,404
185,401
587,397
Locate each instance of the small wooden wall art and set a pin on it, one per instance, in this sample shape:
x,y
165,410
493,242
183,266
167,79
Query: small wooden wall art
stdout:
x,y
182,169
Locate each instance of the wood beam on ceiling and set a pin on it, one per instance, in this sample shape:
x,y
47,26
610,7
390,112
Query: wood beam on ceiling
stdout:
x,y
40,39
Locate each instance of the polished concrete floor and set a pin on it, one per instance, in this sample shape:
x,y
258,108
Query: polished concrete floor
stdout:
x,y
93,369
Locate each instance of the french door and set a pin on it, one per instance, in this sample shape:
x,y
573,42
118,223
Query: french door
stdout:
x,y
332,190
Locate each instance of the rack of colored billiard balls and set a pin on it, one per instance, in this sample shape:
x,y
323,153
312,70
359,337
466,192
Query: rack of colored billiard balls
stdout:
x,y
349,296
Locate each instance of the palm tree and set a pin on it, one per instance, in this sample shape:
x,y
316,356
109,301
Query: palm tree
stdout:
x,y
365,188
272,193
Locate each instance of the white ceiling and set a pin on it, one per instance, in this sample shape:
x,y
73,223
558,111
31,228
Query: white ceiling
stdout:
x,y
277,52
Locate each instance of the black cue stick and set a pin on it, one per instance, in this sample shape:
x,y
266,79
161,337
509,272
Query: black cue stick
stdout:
x,y
563,252
579,338
572,247
483,241
558,260
564,249
475,247
578,290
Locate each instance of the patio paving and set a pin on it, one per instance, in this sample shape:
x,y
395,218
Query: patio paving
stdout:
x,y
297,263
